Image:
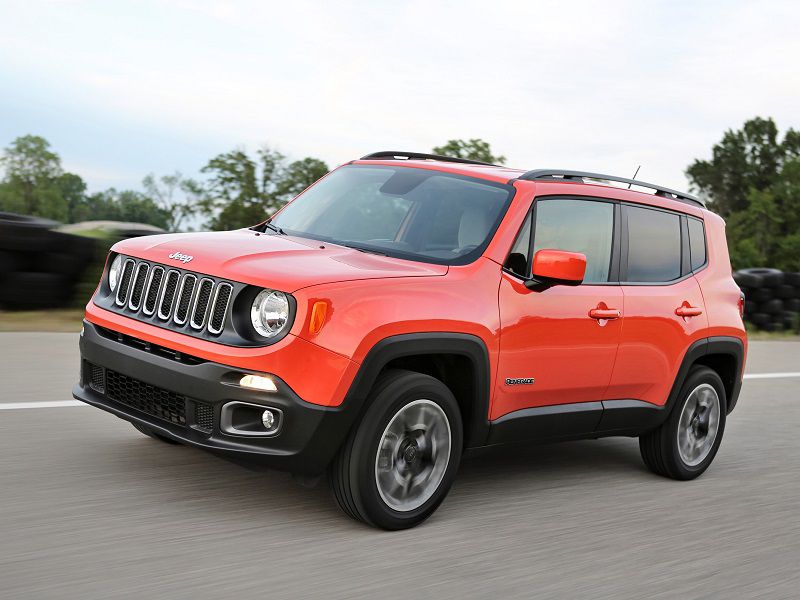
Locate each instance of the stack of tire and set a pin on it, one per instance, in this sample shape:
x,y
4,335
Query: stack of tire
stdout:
x,y
39,267
772,298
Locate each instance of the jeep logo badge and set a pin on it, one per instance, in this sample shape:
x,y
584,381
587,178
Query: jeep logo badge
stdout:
x,y
184,258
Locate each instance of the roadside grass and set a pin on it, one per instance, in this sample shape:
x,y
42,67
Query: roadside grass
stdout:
x,y
772,336
58,320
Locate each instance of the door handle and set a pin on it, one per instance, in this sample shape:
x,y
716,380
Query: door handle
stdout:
x,y
685,310
604,313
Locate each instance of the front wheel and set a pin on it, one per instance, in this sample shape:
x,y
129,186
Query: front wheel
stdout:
x,y
398,464
684,446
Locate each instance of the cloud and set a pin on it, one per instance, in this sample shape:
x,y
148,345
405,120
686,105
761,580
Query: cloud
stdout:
x,y
573,84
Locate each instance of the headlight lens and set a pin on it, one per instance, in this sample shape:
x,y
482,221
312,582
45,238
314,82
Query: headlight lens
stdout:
x,y
270,313
114,271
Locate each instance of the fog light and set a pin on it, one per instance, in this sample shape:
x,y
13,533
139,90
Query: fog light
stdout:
x,y
268,419
256,382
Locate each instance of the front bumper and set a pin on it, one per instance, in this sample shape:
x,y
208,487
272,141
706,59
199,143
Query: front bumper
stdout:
x,y
308,438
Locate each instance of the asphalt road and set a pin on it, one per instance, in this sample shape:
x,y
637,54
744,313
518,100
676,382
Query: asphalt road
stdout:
x,y
90,508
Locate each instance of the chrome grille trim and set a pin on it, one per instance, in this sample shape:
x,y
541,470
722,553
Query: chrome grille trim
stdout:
x,y
165,315
124,283
197,308
142,270
173,298
213,305
152,293
188,295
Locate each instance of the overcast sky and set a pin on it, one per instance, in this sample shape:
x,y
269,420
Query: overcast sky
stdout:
x,y
121,89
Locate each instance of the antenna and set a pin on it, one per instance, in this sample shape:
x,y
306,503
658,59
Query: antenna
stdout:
x,y
634,176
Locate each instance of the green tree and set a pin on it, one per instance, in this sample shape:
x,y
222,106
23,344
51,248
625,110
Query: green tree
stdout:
x,y
473,149
123,205
176,195
244,190
34,182
745,159
753,180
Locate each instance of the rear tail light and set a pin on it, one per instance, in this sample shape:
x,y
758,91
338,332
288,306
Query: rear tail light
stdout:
x,y
741,305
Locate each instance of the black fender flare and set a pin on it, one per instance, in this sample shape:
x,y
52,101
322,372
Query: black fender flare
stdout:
x,y
399,346
725,345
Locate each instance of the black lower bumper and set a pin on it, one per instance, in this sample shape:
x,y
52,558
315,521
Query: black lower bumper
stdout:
x,y
306,442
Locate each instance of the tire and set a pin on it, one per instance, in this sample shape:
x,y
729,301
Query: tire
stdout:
x,y
660,448
789,319
784,291
354,475
759,318
27,290
773,307
793,305
761,295
768,277
156,436
792,279
745,279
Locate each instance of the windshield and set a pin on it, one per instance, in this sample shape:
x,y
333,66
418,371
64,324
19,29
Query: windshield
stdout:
x,y
418,214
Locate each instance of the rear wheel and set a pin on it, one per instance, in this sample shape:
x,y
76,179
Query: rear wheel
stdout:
x,y
398,464
156,436
684,446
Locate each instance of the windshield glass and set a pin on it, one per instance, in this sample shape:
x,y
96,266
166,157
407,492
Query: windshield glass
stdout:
x,y
404,212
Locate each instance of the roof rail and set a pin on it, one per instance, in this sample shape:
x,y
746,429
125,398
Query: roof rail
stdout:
x,y
397,155
544,174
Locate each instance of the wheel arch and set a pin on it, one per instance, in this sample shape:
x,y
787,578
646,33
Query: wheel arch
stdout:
x,y
460,361
722,354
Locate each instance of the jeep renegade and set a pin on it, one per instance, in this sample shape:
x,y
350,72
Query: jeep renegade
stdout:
x,y
409,307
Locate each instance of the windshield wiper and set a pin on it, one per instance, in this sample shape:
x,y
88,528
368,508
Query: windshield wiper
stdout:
x,y
365,250
275,228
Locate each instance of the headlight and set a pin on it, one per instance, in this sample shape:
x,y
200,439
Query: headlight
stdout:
x,y
270,313
114,271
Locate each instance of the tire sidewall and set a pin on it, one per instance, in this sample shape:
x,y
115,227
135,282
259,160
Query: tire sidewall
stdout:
x,y
696,378
399,392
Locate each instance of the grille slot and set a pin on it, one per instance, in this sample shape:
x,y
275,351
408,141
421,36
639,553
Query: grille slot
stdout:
x,y
201,303
168,295
222,298
154,401
124,282
204,416
153,287
137,289
184,298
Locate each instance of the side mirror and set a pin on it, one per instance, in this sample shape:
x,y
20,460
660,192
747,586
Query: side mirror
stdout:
x,y
556,267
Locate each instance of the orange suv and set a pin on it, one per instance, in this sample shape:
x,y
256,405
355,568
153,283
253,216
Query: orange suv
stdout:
x,y
407,308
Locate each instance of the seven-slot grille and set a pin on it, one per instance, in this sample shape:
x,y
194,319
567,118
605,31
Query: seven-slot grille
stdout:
x,y
175,297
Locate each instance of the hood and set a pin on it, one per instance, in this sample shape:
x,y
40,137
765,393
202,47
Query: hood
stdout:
x,y
283,262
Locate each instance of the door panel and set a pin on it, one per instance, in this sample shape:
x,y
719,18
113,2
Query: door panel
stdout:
x,y
655,338
550,337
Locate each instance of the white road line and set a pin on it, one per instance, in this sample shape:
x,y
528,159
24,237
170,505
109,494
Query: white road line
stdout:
x,y
68,403
53,404
770,375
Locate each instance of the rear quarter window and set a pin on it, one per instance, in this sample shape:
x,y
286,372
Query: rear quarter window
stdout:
x,y
697,243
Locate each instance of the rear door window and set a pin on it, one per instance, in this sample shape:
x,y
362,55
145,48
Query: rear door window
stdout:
x,y
654,245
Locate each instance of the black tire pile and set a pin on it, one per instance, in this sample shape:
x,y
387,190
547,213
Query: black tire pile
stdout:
x,y
39,268
772,298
